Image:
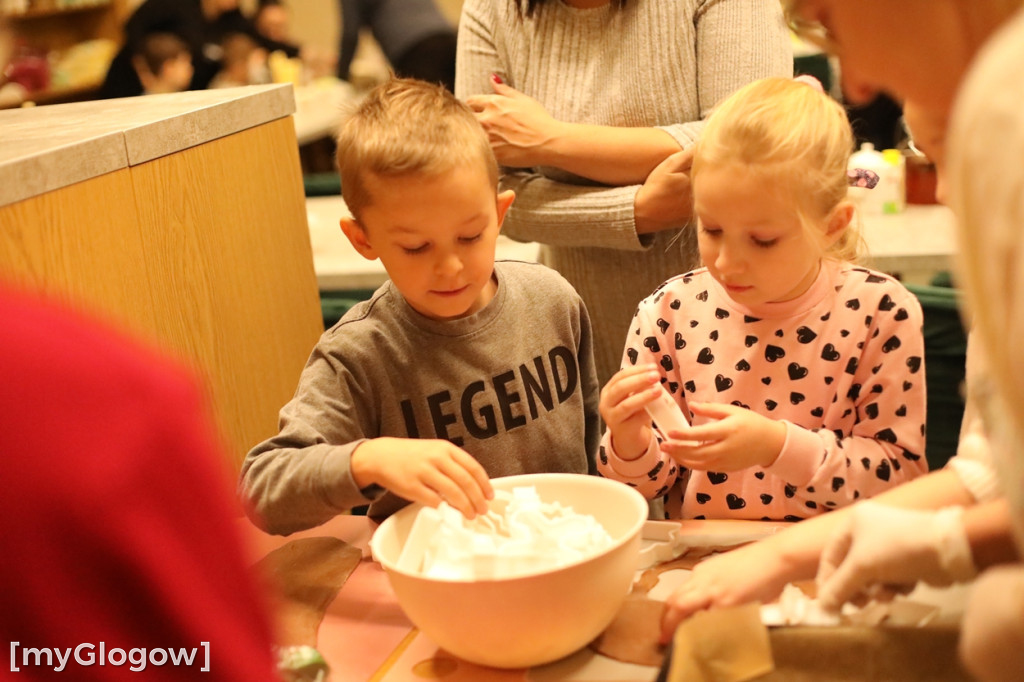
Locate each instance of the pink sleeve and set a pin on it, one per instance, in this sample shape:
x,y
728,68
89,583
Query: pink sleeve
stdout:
x,y
885,447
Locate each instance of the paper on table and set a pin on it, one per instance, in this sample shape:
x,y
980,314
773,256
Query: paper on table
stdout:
x,y
723,645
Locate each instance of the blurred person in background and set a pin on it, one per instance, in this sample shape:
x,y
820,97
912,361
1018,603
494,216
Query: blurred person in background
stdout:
x,y
418,41
163,64
201,24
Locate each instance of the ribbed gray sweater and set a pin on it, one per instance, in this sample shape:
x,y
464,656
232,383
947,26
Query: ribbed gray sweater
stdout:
x,y
661,63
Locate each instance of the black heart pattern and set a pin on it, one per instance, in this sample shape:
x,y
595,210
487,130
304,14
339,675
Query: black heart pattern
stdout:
x,y
886,436
891,344
805,335
705,357
796,372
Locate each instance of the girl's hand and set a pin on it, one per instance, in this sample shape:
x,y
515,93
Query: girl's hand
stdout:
x,y
622,407
519,128
752,573
737,439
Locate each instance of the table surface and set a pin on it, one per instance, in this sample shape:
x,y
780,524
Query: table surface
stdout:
x,y
916,243
365,635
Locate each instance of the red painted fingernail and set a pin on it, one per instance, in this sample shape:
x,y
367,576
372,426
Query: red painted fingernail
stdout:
x,y
496,78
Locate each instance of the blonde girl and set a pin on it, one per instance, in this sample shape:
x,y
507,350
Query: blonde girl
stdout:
x,y
802,373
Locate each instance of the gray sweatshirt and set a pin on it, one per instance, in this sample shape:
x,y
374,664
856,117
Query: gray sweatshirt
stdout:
x,y
513,385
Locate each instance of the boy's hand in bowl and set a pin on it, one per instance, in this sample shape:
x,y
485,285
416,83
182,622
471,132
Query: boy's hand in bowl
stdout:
x,y
426,471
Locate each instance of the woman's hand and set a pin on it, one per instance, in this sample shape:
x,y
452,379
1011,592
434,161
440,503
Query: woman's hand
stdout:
x,y
622,407
519,128
665,200
737,438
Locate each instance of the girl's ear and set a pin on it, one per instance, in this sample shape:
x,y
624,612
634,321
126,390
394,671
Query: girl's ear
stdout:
x,y
838,221
357,236
504,201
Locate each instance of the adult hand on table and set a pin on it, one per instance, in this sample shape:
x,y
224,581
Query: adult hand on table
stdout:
x,y
422,470
665,200
519,128
752,573
880,549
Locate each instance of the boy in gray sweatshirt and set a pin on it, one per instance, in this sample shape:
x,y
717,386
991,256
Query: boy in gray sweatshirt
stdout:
x,y
459,368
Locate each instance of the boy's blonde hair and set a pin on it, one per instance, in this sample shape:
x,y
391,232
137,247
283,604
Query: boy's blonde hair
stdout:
x,y
794,135
406,127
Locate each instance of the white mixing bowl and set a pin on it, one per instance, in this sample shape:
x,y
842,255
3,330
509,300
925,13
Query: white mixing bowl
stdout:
x,y
525,621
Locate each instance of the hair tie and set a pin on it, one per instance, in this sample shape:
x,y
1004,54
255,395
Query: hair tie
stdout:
x,y
811,81
862,177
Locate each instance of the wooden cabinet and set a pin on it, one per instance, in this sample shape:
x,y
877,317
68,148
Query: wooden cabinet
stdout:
x,y
197,242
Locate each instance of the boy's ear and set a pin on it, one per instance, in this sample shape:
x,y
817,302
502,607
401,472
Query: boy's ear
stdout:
x,y
504,201
838,221
357,236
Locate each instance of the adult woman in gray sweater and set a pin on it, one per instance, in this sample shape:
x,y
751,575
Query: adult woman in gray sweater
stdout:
x,y
590,106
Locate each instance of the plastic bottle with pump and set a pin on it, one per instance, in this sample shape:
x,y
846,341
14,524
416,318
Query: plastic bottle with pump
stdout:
x,y
894,183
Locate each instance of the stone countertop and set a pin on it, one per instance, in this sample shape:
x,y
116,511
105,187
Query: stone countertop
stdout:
x,y
46,148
